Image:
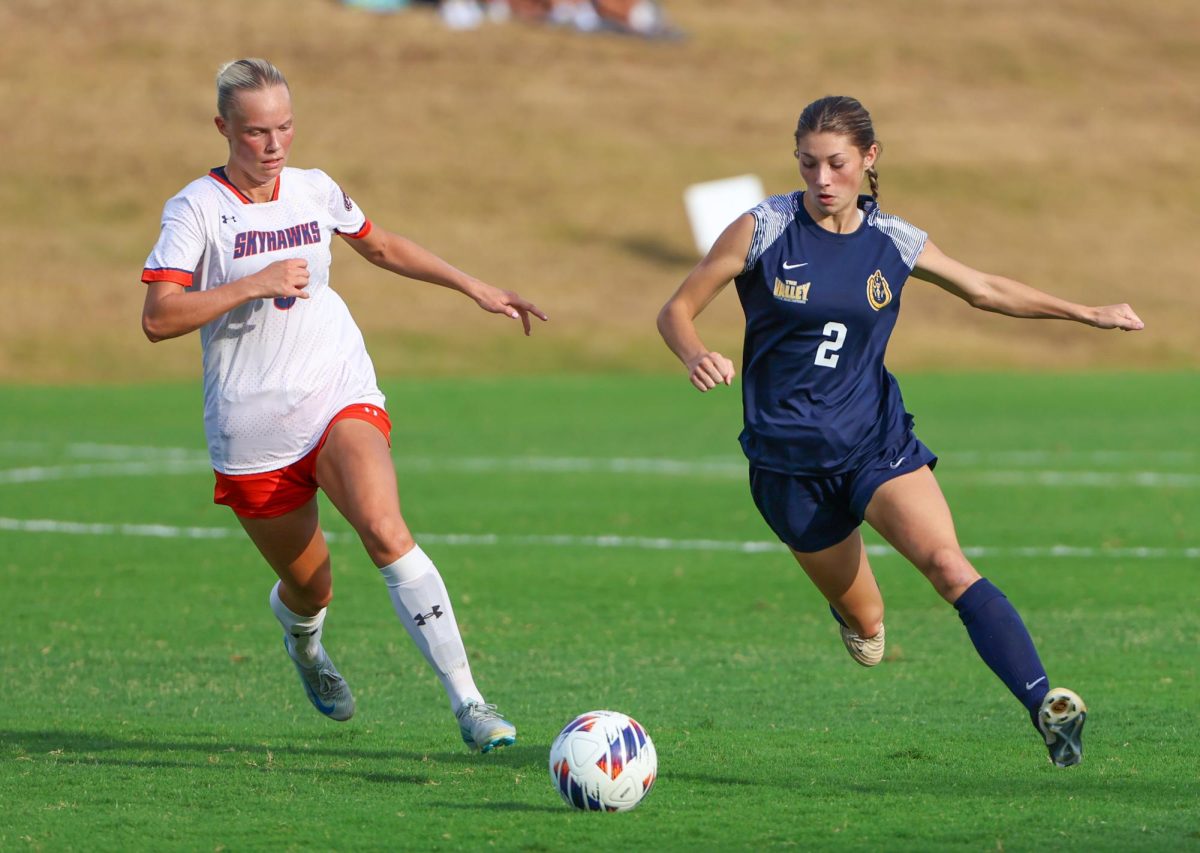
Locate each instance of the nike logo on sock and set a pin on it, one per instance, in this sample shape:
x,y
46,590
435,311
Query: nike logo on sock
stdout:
x,y
1030,685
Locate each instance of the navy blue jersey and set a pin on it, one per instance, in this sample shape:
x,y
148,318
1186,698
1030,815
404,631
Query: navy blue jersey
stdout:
x,y
820,308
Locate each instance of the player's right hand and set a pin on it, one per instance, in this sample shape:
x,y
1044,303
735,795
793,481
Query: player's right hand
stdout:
x,y
284,278
709,370
1116,317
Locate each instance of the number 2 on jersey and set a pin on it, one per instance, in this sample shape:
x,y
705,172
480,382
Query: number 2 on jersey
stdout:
x,y
827,352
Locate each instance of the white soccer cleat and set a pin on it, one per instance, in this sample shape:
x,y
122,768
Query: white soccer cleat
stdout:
x,y
324,685
483,728
867,652
1060,719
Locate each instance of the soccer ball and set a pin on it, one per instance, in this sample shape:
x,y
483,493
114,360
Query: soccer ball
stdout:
x,y
603,761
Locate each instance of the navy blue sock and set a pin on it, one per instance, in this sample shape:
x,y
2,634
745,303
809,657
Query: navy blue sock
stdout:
x,y
1002,641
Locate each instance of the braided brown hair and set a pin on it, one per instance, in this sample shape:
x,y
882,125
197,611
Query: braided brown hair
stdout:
x,y
844,116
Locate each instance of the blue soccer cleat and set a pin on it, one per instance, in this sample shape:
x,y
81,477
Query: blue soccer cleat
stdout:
x,y
324,685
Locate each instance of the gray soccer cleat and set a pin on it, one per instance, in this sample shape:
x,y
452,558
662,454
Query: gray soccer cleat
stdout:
x,y
1060,720
483,728
324,685
867,652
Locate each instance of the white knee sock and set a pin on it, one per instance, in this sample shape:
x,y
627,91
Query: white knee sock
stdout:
x,y
423,605
304,632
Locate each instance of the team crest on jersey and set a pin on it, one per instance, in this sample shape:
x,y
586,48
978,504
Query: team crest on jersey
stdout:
x,y
878,292
790,291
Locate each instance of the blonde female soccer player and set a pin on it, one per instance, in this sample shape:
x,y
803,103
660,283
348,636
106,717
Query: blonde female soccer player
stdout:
x,y
291,402
819,274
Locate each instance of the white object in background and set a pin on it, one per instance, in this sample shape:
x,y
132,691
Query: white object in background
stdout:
x,y
712,205
461,14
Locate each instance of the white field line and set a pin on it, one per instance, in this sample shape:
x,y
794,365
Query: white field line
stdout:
x,y
95,451
1072,479
738,471
644,543
1017,458
91,470
726,468
193,464
119,452
112,460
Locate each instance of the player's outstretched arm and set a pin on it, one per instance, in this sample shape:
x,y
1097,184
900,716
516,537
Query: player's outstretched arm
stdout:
x,y
404,257
1008,296
677,320
170,311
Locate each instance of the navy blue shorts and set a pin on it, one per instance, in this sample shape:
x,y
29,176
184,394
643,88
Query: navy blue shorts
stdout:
x,y
813,513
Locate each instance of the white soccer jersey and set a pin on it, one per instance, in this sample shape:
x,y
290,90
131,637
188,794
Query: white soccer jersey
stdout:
x,y
276,371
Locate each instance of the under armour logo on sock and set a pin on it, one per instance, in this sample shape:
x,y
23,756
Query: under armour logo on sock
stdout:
x,y
434,613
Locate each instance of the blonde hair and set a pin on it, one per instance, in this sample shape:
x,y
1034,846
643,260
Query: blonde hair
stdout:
x,y
244,75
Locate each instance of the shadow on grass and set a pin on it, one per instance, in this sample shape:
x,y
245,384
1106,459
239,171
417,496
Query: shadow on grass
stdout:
x,y
656,251
271,755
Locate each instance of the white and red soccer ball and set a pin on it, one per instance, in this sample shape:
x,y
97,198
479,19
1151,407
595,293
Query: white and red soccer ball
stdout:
x,y
603,761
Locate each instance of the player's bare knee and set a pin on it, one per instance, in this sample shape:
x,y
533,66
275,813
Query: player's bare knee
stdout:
x,y
387,539
949,571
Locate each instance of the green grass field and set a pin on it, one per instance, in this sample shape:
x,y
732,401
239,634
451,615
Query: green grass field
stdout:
x,y
603,551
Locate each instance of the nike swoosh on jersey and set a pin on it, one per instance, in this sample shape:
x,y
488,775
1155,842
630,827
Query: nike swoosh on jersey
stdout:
x,y
897,463
788,266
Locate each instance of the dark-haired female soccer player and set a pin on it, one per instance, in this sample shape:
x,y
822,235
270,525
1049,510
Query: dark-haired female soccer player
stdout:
x,y
290,398
819,274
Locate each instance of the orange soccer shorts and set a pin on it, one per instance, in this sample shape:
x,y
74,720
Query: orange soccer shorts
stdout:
x,y
275,493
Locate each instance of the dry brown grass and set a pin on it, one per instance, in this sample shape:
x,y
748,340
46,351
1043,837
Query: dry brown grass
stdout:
x,y
1051,142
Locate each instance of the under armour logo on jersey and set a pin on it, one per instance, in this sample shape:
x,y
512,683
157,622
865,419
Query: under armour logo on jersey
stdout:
x,y
227,219
434,613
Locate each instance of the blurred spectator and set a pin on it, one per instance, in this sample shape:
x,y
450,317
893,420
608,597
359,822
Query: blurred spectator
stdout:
x,y
640,17
377,5
635,17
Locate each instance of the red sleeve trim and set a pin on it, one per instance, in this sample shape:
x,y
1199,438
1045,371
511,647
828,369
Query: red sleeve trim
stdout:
x,y
360,233
181,277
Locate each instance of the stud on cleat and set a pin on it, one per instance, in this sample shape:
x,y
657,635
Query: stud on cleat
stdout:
x,y
1060,720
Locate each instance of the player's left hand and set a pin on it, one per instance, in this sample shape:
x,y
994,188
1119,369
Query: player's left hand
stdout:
x,y
1117,317
510,304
